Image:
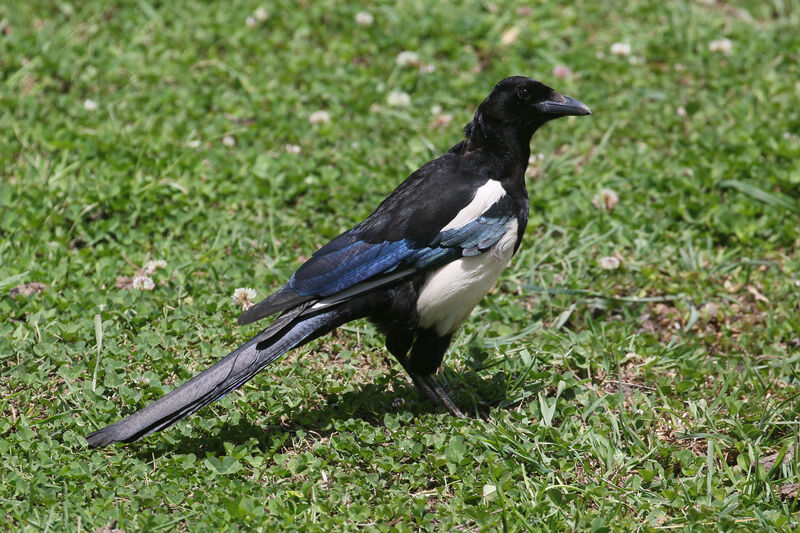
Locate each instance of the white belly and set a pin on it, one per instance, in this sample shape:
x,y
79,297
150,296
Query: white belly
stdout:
x,y
449,293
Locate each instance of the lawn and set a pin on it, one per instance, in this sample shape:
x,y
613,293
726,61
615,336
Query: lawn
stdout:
x,y
641,354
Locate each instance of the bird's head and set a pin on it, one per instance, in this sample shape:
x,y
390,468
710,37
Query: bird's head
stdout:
x,y
520,105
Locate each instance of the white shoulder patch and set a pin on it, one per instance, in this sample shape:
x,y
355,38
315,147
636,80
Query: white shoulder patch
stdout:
x,y
487,195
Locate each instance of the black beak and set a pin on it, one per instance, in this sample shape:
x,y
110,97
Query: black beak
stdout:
x,y
569,106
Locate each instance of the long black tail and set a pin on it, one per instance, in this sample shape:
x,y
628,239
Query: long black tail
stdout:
x,y
227,375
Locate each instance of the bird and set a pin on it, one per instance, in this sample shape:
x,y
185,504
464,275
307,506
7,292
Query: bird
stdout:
x,y
415,267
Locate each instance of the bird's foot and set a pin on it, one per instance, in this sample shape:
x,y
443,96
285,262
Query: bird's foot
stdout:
x,y
435,393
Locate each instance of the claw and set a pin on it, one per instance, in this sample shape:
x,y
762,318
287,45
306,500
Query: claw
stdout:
x,y
436,393
430,388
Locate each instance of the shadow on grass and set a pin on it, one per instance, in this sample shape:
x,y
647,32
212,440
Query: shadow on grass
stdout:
x,y
473,393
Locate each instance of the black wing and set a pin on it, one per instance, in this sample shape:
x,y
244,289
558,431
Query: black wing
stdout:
x,y
407,233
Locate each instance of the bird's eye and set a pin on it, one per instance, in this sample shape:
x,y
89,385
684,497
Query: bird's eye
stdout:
x,y
523,94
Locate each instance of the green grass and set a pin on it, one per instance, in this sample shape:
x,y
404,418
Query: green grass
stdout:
x,y
654,396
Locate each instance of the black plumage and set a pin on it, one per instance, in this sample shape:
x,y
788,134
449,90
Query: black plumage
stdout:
x,y
415,267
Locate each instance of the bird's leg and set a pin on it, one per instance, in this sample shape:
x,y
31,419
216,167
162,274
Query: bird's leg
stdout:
x,y
425,389
398,346
425,358
436,393
426,383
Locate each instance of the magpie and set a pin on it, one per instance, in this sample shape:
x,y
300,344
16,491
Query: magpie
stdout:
x,y
415,267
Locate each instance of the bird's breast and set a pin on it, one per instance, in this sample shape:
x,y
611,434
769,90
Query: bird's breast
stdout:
x,y
450,292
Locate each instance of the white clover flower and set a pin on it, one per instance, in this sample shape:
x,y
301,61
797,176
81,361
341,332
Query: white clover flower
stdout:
x,y
228,141
724,46
681,111
261,14
251,22
143,283
607,199
244,296
153,265
562,72
510,36
319,117
90,105
427,69
398,99
621,49
292,149
406,58
441,121
364,18
194,143
609,263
